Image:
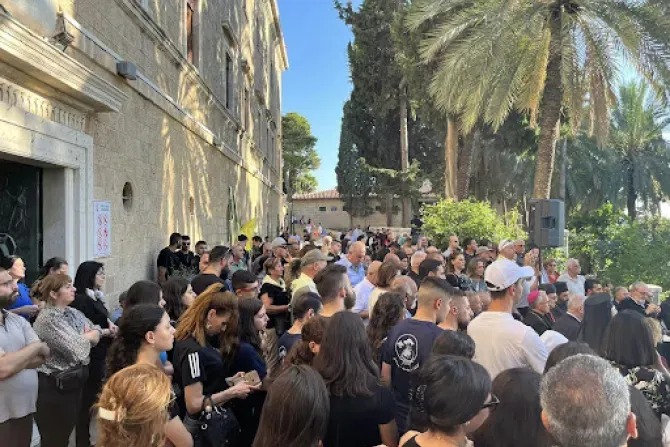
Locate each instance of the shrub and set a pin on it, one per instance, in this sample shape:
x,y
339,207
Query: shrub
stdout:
x,y
467,218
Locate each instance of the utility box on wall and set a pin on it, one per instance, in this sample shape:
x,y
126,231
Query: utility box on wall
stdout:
x,y
546,223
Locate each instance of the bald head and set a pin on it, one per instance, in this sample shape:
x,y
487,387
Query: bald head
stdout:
x,y
417,259
356,253
406,284
373,270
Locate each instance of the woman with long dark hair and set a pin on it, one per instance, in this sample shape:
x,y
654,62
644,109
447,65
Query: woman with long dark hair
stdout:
x,y
178,295
456,271
388,311
89,300
53,266
252,323
454,395
144,292
362,410
296,410
516,422
144,332
630,347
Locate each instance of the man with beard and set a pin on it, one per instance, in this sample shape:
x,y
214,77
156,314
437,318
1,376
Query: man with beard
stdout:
x,y
20,353
459,314
335,290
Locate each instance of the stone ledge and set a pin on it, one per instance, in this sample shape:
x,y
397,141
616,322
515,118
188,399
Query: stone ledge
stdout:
x,y
21,48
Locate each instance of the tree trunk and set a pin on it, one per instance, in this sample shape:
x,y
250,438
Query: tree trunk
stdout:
x,y
465,164
631,194
450,160
562,184
389,210
404,151
550,110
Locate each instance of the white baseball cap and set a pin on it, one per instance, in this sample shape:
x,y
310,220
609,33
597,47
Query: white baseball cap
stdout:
x,y
503,273
504,244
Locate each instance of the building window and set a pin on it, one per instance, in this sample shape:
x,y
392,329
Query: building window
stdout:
x,y
322,209
267,146
191,206
333,208
229,82
127,196
191,27
258,132
245,109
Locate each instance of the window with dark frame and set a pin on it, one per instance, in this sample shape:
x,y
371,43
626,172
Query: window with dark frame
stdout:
x,y
229,81
322,209
190,14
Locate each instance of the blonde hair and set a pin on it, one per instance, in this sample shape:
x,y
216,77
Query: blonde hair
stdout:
x,y
193,321
52,283
133,407
656,329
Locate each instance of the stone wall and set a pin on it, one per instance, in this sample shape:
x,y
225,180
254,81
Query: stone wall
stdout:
x,y
178,139
335,218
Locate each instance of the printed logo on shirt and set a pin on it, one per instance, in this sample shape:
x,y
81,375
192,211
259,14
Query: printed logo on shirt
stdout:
x,y
194,364
406,352
282,354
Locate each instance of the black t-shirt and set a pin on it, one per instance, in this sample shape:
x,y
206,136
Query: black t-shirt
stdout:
x,y
279,297
204,280
406,348
169,260
203,364
188,261
286,342
355,421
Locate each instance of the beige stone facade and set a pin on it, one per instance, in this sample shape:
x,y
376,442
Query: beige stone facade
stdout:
x,y
326,208
184,137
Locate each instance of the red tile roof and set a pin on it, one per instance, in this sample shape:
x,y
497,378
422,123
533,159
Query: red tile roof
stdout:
x,y
327,194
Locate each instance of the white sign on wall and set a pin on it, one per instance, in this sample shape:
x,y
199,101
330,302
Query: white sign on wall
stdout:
x,y
102,213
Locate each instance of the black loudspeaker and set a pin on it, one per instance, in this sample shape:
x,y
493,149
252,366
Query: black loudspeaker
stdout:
x,y
546,223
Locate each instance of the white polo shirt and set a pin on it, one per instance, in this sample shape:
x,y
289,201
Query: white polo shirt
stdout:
x,y
502,343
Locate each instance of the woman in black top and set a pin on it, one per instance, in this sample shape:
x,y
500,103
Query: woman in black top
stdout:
x,y
362,411
205,346
276,297
88,300
455,271
252,323
178,295
455,394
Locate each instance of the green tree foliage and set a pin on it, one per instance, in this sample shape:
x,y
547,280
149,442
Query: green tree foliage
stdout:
x,y
371,121
469,218
494,56
611,247
353,184
300,158
643,156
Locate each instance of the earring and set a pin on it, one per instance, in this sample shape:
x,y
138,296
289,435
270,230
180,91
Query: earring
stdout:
x,y
208,326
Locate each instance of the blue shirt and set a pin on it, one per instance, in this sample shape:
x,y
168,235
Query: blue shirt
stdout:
x,y
22,299
356,274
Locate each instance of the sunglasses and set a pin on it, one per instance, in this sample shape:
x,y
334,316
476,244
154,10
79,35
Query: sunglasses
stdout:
x,y
492,404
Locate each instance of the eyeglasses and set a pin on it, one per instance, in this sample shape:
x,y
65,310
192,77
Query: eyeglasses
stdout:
x,y
101,273
492,404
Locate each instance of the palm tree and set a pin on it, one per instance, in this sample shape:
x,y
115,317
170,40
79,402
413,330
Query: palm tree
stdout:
x,y
535,56
643,155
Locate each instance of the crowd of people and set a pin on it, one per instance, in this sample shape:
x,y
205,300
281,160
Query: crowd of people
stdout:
x,y
352,339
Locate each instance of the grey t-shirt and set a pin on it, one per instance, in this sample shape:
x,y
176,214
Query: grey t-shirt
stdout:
x,y
18,394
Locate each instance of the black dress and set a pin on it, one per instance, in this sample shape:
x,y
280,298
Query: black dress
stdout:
x,y
95,310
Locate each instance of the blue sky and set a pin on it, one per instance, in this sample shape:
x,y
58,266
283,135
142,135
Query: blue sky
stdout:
x,y
316,84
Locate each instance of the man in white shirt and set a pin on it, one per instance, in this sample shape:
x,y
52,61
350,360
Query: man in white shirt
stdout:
x,y
572,277
501,342
312,263
364,289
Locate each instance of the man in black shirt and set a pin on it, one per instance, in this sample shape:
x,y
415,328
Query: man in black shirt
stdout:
x,y
219,257
186,256
168,261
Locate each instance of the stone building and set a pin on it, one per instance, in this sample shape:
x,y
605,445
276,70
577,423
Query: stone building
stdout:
x,y
326,208
187,141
